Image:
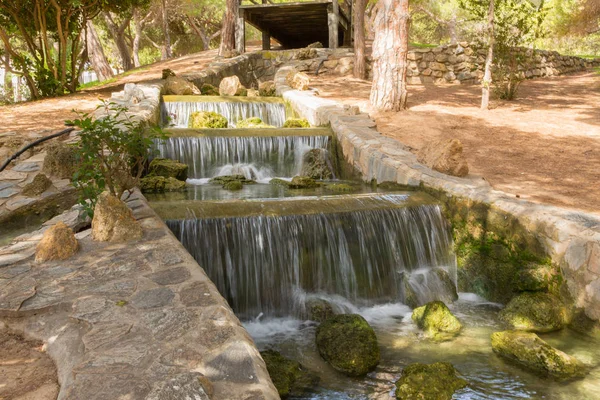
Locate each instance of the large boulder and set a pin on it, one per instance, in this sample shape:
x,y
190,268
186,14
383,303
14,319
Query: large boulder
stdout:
x,y
296,123
348,343
113,221
39,185
207,119
179,87
436,320
319,310
168,169
316,164
535,312
60,160
436,381
252,123
289,377
528,350
160,184
298,80
267,89
537,277
58,243
445,156
231,86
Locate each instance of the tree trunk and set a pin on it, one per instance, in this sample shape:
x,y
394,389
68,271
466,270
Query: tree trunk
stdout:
x,y
138,26
229,22
118,34
487,76
360,60
390,49
96,54
8,77
168,51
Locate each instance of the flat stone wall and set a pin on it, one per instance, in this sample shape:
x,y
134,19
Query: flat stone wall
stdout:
x,y
569,238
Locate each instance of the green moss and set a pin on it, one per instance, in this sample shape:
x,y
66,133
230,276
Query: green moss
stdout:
x,y
539,277
436,381
302,182
209,90
319,310
121,303
160,184
279,182
168,168
233,185
531,352
222,180
387,185
252,123
348,343
289,377
340,187
296,123
437,322
207,119
536,312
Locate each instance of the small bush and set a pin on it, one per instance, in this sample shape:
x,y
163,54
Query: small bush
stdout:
x,y
111,154
296,123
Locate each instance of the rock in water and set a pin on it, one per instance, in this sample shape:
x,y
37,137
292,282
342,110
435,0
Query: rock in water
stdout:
x,y
436,320
168,169
302,182
436,381
160,184
319,310
298,80
296,123
348,343
535,312
38,186
528,350
58,243
581,323
231,86
179,87
315,164
113,221
267,89
252,123
445,156
207,119
288,376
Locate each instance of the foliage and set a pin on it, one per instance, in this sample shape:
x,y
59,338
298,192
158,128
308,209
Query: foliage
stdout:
x,y
112,153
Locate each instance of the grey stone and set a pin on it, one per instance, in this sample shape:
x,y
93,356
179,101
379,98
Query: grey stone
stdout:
x,y
183,356
4,185
234,363
152,298
106,334
8,192
11,272
44,298
12,175
19,202
14,292
116,385
171,276
27,167
183,386
197,294
169,324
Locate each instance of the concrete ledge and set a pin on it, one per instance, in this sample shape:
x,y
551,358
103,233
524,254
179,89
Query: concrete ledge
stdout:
x,y
570,238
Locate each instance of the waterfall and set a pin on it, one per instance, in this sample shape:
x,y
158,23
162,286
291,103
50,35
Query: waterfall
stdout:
x,y
261,263
177,113
223,155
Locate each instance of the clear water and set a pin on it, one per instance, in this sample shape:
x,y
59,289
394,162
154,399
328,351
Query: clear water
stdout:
x,y
256,158
489,376
177,113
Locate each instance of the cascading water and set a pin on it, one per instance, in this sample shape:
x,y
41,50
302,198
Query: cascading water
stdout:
x,y
253,157
269,264
177,113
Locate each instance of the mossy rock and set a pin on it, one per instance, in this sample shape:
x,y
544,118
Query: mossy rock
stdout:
x,y
279,182
252,123
160,184
222,180
535,312
319,310
340,187
348,343
233,185
436,381
168,168
531,352
209,90
302,182
581,323
316,165
60,160
296,123
207,119
267,89
39,185
388,185
436,320
410,296
536,277
449,294
289,377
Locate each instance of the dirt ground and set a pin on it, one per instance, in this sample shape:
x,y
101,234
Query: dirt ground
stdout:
x,y
545,146
26,373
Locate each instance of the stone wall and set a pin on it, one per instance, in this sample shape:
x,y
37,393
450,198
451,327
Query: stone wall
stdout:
x,y
520,230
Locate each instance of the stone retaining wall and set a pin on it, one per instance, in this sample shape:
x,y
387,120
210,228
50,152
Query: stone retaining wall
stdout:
x,y
569,238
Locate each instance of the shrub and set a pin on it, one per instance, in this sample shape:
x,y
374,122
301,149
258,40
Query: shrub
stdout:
x,y
111,153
